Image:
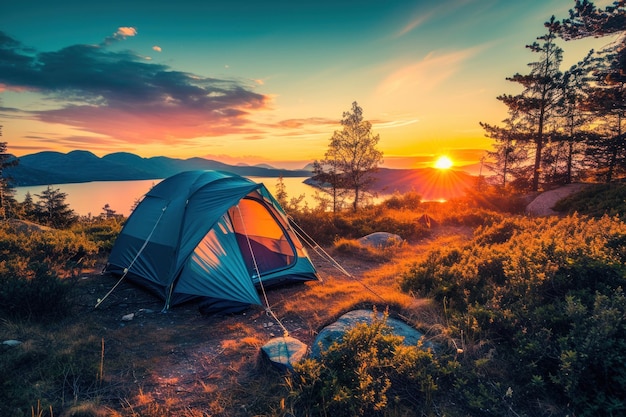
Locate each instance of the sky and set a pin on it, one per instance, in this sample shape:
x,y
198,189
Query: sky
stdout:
x,y
264,82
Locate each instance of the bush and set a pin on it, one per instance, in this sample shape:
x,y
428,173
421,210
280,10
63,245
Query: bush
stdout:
x,y
547,296
327,227
102,232
596,201
410,200
34,269
369,372
42,297
48,371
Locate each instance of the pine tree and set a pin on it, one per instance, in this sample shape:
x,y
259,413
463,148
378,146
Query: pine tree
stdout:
x,y
108,212
508,156
52,210
7,192
607,98
573,133
352,155
531,110
28,207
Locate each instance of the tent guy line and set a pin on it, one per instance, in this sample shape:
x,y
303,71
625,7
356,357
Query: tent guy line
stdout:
x,y
100,300
222,239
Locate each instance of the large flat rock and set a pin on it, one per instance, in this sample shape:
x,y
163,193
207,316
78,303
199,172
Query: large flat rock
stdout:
x,y
335,331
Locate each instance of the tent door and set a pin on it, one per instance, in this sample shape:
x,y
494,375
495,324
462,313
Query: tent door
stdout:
x,y
259,234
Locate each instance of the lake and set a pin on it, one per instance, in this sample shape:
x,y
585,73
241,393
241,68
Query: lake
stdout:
x,y
90,197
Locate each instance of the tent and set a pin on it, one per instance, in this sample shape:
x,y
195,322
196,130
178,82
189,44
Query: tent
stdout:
x,y
213,235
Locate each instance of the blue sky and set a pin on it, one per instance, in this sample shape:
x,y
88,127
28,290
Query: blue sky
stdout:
x,y
252,82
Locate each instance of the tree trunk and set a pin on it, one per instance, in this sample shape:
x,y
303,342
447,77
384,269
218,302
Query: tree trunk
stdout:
x,y
614,150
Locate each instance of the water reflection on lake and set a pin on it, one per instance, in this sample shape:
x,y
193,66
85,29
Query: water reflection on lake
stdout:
x,y
90,197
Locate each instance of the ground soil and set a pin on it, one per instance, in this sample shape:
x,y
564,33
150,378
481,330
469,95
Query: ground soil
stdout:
x,y
180,362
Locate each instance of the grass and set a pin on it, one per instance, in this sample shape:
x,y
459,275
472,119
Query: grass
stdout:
x,y
181,363
91,363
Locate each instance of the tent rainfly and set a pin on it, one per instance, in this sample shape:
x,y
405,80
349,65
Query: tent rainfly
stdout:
x,y
213,235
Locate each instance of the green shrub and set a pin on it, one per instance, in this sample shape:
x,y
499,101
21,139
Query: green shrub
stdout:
x,y
496,200
596,200
102,232
42,297
34,269
327,227
369,372
546,296
410,200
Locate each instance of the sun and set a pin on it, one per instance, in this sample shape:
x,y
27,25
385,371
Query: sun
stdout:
x,y
443,162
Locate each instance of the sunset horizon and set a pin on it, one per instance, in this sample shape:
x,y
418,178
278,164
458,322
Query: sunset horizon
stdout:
x,y
245,83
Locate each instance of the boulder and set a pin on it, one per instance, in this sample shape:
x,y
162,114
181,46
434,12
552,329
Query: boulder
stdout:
x,y
284,351
380,240
544,203
335,331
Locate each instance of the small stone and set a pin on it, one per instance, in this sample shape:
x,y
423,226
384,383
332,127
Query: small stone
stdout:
x,y
128,317
283,352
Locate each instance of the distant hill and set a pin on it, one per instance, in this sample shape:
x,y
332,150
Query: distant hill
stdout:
x,y
430,183
44,168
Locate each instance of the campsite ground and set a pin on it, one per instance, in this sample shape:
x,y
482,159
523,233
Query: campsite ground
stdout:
x,y
183,363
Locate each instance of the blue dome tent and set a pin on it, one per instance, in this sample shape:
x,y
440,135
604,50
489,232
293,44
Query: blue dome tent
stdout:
x,y
213,235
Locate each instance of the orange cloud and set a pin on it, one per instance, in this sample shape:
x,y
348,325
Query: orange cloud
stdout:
x,y
126,32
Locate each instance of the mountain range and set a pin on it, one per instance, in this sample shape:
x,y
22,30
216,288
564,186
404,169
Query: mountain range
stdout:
x,y
46,168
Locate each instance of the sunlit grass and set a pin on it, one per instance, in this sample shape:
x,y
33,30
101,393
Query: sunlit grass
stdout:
x,y
222,374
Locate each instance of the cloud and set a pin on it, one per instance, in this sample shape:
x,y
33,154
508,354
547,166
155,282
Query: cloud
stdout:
x,y
423,75
126,31
121,34
156,48
121,95
390,124
311,121
415,22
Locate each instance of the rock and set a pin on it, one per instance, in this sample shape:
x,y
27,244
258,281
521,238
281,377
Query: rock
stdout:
x,y
335,331
544,203
380,240
128,317
284,351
